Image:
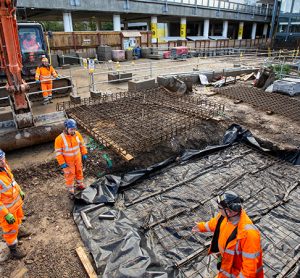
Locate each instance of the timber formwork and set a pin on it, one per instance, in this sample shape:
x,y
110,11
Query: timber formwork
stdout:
x,y
130,122
269,102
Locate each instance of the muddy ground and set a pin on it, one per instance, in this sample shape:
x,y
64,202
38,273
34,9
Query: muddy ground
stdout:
x,y
48,210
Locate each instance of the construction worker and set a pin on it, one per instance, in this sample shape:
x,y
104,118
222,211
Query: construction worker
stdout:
x,y
236,240
11,212
43,75
70,152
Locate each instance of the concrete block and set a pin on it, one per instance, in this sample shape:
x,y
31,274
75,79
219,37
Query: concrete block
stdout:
x,y
75,99
95,94
129,54
145,52
117,77
137,85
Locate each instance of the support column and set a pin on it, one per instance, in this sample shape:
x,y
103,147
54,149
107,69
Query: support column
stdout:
x,y
68,24
166,27
206,28
183,27
265,31
241,30
199,29
98,25
154,29
253,33
225,29
117,22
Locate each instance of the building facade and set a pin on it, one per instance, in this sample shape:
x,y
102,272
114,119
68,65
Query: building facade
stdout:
x,y
288,32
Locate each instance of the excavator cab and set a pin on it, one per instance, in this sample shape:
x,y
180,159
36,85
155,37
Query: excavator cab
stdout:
x,y
33,47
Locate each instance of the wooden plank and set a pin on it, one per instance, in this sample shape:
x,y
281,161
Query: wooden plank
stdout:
x,y
86,262
19,273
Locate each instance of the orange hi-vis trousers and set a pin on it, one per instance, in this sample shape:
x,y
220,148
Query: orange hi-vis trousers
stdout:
x,y
10,231
45,87
74,172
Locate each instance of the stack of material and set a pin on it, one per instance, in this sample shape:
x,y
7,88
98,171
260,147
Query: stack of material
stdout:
x,y
104,53
118,55
289,86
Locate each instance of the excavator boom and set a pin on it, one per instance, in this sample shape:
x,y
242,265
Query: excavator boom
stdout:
x,y
23,129
11,64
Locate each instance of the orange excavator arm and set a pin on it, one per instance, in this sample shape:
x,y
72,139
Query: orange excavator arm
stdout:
x,y
11,58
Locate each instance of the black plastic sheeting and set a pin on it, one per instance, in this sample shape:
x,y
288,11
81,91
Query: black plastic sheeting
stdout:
x,y
136,244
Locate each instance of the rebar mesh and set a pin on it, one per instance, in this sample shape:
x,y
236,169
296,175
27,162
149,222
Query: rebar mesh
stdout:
x,y
272,102
134,121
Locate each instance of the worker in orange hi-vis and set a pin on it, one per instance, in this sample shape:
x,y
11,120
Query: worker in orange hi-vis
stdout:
x,y
11,212
43,75
236,240
70,152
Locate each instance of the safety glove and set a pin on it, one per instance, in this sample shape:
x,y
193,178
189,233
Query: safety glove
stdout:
x,y
10,219
22,194
84,157
37,81
57,78
63,166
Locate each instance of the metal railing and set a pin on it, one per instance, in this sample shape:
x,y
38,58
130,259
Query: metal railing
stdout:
x,y
219,4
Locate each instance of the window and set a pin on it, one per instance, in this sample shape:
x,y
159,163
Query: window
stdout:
x,y
75,2
286,6
30,40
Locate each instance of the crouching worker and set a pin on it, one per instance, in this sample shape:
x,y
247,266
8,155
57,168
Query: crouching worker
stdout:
x,y
11,212
70,152
236,240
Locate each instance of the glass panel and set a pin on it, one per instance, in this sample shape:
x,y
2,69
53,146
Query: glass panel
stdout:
x,y
30,40
296,8
295,28
286,6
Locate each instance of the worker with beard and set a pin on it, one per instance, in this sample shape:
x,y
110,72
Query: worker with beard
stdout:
x,y
43,76
70,153
11,211
236,240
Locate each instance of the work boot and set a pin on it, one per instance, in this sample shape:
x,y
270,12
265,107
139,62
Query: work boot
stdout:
x,y
23,233
80,186
16,253
50,99
71,194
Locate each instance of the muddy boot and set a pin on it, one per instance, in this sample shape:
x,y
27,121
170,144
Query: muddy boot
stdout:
x,y
23,233
16,253
80,186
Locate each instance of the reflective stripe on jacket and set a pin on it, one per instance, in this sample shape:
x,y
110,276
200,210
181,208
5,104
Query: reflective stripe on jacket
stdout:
x,y
243,255
10,199
45,73
68,147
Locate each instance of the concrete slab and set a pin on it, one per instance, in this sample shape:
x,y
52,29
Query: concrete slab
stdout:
x,y
117,77
136,85
75,99
95,94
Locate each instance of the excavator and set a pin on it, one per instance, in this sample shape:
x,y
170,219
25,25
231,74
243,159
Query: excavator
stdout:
x,y
18,126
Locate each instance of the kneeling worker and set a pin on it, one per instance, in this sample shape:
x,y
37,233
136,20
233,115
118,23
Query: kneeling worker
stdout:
x,y
70,152
236,240
11,212
44,75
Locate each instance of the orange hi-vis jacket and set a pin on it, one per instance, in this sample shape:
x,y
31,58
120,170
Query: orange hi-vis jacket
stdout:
x,y
242,257
45,73
10,199
69,148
